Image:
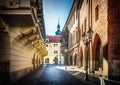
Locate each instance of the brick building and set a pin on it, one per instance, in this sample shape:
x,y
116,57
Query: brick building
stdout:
x,y
102,16
22,34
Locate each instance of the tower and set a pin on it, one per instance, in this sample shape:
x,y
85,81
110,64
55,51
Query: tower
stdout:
x,y
58,32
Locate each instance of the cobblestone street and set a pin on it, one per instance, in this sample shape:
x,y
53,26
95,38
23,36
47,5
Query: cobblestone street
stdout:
x,y
60,75
51,75
59,42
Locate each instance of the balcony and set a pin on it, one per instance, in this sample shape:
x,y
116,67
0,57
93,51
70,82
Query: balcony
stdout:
x,y
19,17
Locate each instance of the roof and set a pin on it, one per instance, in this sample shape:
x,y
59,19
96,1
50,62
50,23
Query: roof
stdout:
x,y
55,39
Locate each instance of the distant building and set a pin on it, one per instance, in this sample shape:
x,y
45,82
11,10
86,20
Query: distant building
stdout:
x,y
53,44
58,32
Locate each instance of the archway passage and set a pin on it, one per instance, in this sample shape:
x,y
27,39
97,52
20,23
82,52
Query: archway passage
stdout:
x,y
97,53
75,59
33,61
37,62
47,60
70,60
56,60
81,57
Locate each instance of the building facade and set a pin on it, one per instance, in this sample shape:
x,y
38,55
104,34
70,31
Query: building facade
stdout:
x,y
73,36
102,16
22,35
53,44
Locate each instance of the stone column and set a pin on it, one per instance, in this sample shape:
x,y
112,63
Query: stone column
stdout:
x,y
4,57
114,39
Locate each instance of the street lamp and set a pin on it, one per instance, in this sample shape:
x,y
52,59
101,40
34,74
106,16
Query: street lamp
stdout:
x,y
86,40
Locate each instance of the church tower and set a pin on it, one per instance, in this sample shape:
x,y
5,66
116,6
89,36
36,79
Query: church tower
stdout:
x,y
58,32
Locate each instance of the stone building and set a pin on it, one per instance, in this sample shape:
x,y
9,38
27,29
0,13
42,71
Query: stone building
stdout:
x,y
73,35
53,44
22,34
102,16
95,18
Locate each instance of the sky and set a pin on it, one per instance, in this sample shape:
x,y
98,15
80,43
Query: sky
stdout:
x,y
55,10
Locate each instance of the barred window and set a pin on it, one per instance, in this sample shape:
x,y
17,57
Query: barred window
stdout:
x,y
55,45
96,13
55,52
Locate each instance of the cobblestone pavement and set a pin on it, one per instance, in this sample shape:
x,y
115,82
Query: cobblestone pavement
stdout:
x,y
80,74
54,76
61,75
51,75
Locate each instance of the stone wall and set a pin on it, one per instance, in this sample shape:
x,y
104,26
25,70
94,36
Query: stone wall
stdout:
x,y
20,55
83,28
94,15
100,28
114,39
4,56
16,58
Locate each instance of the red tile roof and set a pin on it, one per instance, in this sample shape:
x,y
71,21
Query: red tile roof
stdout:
x,y
55,39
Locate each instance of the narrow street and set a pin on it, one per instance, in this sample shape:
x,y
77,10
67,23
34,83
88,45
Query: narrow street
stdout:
x,y
51,75
59,42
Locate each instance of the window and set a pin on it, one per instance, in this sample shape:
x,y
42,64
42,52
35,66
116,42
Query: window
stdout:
x,y
73,38
46,45
17,4
96,13
85,23
82,28
0,1
77,35
47,40
55,52
10,3
77,14
55,45
47,60
87,1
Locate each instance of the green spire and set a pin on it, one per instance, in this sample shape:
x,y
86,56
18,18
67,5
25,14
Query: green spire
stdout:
x,y
58,32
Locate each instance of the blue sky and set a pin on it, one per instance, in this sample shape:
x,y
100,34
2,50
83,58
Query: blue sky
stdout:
x,y
54,10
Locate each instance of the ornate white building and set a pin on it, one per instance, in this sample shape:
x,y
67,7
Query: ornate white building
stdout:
x,y
53,46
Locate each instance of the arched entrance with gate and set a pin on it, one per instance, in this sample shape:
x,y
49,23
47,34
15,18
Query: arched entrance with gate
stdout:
x,y
75,59
97,54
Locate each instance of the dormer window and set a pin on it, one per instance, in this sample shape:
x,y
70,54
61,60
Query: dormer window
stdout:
x,y
47,40
17,4
10,3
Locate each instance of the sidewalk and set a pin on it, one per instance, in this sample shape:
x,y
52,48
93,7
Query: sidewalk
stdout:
x,y
80,74
31,78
